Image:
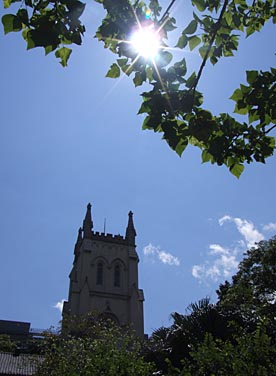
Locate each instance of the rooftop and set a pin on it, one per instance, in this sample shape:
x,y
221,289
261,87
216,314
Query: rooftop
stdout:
x,y
23,364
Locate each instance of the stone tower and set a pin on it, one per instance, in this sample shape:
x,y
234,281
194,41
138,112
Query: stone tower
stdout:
x,y
104,276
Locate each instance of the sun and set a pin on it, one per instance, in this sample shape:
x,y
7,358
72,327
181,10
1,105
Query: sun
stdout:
x,y
146,41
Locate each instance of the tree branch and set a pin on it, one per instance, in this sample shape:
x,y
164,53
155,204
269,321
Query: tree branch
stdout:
x,y
167,11
270,129
210,43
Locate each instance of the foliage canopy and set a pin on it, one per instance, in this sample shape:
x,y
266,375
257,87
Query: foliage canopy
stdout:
x,y
173,106
92,347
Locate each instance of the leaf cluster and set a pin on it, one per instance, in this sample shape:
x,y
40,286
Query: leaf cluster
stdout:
x,y
173,106
252,293
251,354
97,347
47,23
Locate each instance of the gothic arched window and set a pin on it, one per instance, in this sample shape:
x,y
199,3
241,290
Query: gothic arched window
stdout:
x,y
117,276
99,275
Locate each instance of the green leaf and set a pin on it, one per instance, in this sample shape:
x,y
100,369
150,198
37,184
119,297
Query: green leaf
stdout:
x,y
7,3
241,109
253,116
193,42
75,7
149,74
48,49
114,71
191,80
144,109
200,4
237,20
203,50
213,59
191,28
11,23
228,17
181,67
249,31
169,25
206,157
22,14
251,76
181,146
237,95
138,79
28,37
245,89
155,7
237,169
122,62
272,141
182,41
64,54
166,58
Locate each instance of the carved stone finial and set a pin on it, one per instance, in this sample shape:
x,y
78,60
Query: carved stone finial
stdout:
x,y
130,230
87,223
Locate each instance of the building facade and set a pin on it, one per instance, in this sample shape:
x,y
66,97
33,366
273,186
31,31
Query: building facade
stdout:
x,y
104,276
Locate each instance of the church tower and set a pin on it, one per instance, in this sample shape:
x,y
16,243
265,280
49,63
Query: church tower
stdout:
x,y
104,276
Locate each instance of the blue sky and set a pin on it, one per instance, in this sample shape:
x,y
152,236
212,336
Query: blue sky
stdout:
x,y
71,136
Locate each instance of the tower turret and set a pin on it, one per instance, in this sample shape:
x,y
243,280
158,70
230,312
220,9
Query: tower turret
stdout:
x,y
130,230
87,223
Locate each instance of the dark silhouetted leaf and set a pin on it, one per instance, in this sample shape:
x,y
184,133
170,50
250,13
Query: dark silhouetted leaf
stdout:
x,y
200,4
11,23
251,76
191,28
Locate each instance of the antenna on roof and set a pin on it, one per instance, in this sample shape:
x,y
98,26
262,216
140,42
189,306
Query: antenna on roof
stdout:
x,y
104,224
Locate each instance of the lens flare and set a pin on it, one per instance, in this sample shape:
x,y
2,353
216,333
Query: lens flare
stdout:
x,y
146,42
148,14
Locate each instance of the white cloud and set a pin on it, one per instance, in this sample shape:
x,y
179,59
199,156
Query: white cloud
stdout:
x,y
198,271
224,219
245,228
221,263
269,227
149,250
213,272
168,258
59,305
216,249
163,256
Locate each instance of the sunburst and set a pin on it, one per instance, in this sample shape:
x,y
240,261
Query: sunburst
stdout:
x,y
146,41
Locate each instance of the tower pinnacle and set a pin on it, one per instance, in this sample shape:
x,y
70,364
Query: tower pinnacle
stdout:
x,y
130,230
87,223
